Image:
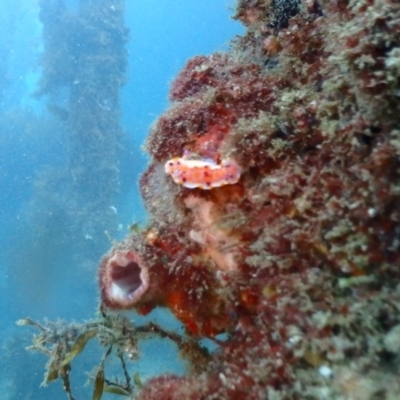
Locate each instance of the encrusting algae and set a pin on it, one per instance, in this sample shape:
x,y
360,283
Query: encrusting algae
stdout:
x,y
297,260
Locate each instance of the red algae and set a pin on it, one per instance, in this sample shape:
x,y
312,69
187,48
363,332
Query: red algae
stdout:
x,y
298,262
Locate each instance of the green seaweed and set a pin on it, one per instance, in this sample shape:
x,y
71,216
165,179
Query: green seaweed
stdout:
x,y
62,343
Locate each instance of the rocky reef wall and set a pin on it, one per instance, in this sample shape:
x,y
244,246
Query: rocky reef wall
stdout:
x,y
297,262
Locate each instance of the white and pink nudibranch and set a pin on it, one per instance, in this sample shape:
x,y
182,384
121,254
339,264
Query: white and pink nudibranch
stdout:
x,y
203,174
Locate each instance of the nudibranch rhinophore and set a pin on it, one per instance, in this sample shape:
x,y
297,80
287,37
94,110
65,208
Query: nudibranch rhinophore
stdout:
x,y
203,174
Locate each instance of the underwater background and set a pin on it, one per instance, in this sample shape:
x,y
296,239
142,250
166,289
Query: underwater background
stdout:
x,y
50,239
200,201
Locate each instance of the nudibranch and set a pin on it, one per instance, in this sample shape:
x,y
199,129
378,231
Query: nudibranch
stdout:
x,y
124,279
203,174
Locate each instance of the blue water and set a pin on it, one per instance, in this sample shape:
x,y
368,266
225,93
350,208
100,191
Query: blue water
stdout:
x,y
48,267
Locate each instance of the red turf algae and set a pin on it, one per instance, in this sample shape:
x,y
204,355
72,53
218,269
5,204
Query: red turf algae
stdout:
x,y
298,262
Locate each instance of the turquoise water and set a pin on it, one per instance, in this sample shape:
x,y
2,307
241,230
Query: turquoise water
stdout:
x,y
50,238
